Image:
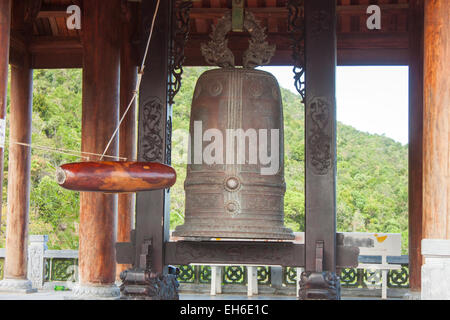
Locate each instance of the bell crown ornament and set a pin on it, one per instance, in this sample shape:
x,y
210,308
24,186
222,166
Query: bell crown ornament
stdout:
x,y
235,175
216,51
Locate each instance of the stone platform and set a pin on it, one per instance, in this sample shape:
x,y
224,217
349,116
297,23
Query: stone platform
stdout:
x,y
58,295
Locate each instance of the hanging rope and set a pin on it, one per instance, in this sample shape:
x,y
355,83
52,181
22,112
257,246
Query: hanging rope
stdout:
x,y
83,155
138,83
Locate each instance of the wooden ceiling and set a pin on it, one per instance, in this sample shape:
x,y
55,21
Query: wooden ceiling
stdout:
x,y
356,43
54,46
51,20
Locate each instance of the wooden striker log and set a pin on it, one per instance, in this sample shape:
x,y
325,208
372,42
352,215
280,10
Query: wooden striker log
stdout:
x,y
115,177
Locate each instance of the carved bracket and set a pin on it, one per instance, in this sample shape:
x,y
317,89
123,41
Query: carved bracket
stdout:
x,y
180,35
243,252
296,27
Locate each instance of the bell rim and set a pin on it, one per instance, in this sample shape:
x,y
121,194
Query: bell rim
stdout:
x,y
186,231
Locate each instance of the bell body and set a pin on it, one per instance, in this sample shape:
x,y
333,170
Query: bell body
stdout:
x,y
236,197
115,177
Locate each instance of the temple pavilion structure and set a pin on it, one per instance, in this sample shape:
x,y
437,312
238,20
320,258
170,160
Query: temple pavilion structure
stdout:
x,y
314,36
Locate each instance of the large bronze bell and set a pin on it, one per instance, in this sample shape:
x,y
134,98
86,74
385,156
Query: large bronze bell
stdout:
x,y
229,196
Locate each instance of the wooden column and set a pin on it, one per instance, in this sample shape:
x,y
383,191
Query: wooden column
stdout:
x,y
416,17
23,14
436,122
152,210
5,31
98,212
127,143
19,172
320,148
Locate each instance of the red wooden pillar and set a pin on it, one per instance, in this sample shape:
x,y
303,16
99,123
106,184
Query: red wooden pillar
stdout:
x,y
435,246
19,168
19,179
5,31
127,143
98,212
436,125
415,142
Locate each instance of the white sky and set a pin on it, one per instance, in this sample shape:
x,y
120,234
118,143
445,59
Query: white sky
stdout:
x,y
370,99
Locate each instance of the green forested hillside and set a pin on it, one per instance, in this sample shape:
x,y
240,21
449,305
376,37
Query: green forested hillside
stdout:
x,y
56,124
372,169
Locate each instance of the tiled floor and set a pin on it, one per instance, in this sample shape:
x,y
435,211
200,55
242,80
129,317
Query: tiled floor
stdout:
x,y
52,295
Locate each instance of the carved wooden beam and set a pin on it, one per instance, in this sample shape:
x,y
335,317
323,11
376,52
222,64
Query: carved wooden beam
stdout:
x,y
353,49
49,44
56,10
56,52
286,254
282,12
46,13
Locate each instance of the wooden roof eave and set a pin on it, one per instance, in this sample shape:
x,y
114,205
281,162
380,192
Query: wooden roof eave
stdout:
x,y
354,48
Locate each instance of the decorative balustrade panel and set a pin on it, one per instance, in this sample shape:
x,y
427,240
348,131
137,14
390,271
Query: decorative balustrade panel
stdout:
x,y
290,276
366,278
187,274
230,275
234,275
60,269
204,273
66,270
264,276
399,278
350,278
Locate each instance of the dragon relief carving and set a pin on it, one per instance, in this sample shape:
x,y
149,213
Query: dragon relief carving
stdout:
x,y
321,22
319,141
216,52
152,141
